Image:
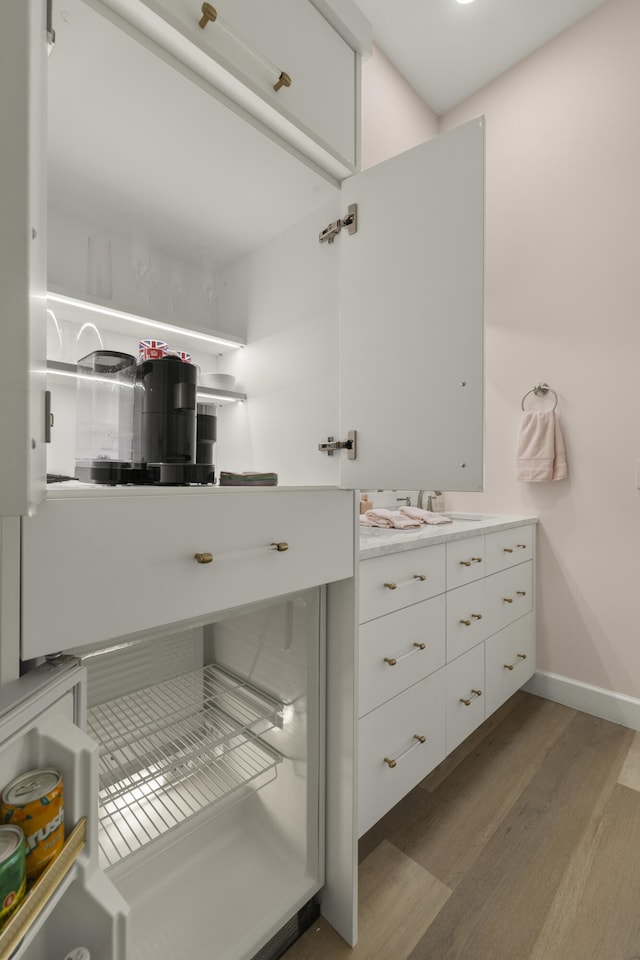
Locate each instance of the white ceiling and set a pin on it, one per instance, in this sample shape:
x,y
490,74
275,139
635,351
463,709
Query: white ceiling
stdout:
x,y
447,50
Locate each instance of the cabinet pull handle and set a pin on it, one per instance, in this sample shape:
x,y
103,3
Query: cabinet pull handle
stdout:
x,y
476,694
476,616
280,547
421,577
508,550
209,15
476,559
467,623
392,661
507,599
521,546
521,593
203,557
418,737
465,563
284,80
519,656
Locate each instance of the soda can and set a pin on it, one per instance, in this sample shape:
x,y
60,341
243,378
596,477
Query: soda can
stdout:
x,y
13,872
35,802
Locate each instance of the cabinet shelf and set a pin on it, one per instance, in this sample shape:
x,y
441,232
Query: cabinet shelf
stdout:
x,y
174,749
204,393
118,321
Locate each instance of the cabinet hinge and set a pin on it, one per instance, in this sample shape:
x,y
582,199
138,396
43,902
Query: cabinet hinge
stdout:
x,y
330,445
51,34
329,233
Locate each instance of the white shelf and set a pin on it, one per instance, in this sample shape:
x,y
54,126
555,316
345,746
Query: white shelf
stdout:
x,y
118,321
204,394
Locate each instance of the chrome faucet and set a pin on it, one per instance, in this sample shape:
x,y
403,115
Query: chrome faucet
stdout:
x,y
405,500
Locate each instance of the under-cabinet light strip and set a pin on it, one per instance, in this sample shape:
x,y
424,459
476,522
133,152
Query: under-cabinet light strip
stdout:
x,y
142,321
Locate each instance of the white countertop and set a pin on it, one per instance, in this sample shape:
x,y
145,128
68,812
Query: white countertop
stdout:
x,y
379,541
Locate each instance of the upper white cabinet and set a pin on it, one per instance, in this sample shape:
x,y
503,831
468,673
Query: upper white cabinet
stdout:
x,y
281,61
379,332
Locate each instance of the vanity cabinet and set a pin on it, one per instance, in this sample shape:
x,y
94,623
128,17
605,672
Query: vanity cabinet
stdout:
x,y
436,668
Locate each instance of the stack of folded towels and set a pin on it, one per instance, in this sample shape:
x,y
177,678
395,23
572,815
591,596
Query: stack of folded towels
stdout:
x,y
406,518
249,479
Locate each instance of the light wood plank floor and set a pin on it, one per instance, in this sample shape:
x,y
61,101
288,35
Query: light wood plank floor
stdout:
x,y
523,845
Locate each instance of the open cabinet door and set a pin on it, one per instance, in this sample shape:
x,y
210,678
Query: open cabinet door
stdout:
x,y
23,64
412,318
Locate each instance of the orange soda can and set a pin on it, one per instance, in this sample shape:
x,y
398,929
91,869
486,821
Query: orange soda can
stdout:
x,y
35,802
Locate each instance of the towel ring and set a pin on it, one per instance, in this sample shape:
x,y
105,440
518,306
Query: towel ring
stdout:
x,y
541,390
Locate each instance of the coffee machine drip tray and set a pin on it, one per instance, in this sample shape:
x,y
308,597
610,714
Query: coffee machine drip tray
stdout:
x,y
120,472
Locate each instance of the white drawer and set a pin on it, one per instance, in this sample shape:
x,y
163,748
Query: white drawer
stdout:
x,y
510,660
397,580
467,621
288,36
509,547
392,756
465,561
509,595
465,695
97,568
399,649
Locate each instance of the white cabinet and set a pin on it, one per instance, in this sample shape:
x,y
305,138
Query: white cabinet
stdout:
x,y
286,44
102,567
463,651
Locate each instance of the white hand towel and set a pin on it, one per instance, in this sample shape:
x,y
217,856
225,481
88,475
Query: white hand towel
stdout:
x,y
388,518
425,516
540,451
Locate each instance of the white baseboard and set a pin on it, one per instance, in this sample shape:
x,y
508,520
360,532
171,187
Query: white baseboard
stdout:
x,y
607,704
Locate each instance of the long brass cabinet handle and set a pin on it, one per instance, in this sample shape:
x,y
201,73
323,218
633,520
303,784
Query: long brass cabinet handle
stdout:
x,y
420,577
203,557
393,762
280,547
467,563
519,656
508,549
476,694
393,661
507,599
474,616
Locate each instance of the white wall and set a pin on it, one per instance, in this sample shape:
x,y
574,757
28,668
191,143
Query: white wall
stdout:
x,y
563,207
394,117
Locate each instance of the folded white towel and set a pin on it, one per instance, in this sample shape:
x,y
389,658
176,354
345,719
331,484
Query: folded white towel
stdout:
x,y
540,451
388,518
425,516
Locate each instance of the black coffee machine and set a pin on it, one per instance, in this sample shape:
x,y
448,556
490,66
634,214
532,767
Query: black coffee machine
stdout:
x,y
139,423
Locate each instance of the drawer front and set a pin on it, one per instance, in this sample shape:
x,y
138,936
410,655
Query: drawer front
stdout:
x,y
392,755
467,621
506,548
465,695
465,561
400,649
509,595
397,580
510,660
99,568
289,36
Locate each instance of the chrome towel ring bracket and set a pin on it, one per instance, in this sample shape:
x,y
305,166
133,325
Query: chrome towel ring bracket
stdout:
x,y
541,390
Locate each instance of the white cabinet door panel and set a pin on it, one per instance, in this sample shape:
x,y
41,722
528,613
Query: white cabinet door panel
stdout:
x,y
389,583
399,649
465,696
510,660
412,317
400,743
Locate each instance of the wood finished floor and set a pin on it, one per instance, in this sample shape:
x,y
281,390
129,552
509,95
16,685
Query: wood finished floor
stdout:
x,y
523,845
